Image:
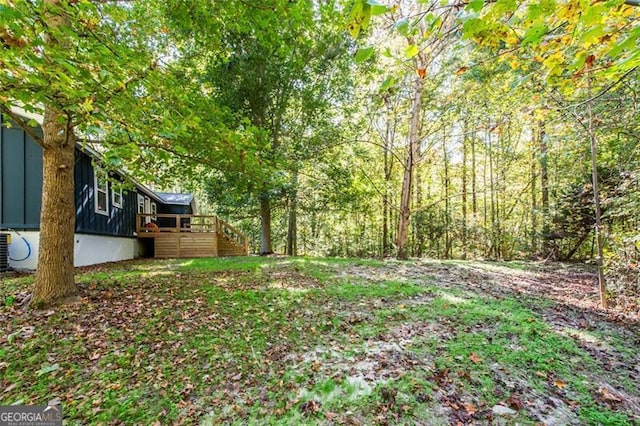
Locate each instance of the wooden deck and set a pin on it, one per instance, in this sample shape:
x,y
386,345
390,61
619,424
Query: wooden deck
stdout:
x,y
177,236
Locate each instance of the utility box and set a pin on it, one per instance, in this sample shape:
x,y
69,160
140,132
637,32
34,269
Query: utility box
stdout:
x,y
5,240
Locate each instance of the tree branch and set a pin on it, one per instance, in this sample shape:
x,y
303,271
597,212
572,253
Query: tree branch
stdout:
x,y
24,125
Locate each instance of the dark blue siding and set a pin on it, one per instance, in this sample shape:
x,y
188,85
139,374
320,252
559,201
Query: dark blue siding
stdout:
x,y
21,190
120,222
20,179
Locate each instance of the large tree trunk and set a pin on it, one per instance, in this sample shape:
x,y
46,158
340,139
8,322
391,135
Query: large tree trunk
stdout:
x,y
265,222
54,277
407,181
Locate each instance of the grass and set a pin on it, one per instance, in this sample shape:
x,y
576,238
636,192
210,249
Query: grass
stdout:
x,y
281,341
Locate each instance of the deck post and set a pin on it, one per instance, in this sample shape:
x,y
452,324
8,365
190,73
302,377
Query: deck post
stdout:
x,y
178,223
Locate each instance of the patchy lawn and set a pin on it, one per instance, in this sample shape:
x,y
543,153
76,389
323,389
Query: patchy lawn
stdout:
x,y
330,341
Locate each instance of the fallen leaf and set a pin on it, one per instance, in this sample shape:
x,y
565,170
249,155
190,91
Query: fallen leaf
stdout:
x,y
607,395
10,388
48,369
471,409
559,384
475,358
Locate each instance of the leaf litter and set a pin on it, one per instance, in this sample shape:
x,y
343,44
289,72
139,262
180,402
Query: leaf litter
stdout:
x,y
222,345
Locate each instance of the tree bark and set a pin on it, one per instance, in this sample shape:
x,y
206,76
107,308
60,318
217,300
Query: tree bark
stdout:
x,y
464,195
493,250
596,196
407,181
534,196
447,217
544,183
292,228
265,222
55,275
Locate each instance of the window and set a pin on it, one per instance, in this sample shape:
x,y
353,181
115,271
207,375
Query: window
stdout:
x,y
101,189
140,210
116,197
140,204
154,211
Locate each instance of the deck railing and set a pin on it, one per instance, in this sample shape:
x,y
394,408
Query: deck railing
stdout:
x,y
149,225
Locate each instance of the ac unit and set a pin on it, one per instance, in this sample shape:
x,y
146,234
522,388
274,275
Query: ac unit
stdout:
x,y
4,252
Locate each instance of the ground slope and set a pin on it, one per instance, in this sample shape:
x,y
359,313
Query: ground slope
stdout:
x,y
327,341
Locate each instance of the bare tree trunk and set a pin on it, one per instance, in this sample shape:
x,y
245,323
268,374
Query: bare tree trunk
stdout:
x,y
464,195
265,222
447,218
418,237
388,165
292,229
596,196
407,181
474,196
544,183
534,195
493,249
55,276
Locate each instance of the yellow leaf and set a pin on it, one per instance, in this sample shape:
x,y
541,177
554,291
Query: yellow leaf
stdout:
x,y
559,384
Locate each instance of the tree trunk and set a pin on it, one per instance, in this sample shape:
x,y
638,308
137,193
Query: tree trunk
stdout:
x,y
544,183
418,224
55,276
474,195
492,249
596,196
265,222
534,196
292,231
447,218
464,195
407,181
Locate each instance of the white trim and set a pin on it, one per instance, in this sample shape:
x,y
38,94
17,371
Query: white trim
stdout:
x,y
115,192
154,210
140,204
147,209
97,190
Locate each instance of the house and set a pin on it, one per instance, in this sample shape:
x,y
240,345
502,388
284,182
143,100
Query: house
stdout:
x,y
112,223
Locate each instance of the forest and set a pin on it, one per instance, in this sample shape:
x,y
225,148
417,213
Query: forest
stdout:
x,y
451,130
441,198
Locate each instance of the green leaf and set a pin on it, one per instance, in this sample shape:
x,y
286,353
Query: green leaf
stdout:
x,y
472,27
387,83
475,5
377,8
503,6
356,19
411,51
402,26
48,369
534,34
363,54
593,35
